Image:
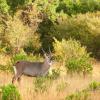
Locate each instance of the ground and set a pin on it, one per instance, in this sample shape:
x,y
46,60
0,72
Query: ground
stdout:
x,y
75,83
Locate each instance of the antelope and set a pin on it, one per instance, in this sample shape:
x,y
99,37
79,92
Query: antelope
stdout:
x,y
33,69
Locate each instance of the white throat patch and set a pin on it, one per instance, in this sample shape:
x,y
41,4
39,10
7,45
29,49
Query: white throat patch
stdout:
x,y
50,63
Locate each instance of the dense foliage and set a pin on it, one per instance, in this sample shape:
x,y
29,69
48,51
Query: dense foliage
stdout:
x,y
73,56
71,28
82,27
10,92
29,25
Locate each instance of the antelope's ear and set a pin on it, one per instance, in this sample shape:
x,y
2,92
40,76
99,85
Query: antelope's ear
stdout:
x,y
50,53
43,50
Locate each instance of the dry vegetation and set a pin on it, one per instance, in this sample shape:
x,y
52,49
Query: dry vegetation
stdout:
x,y
71,28
55,92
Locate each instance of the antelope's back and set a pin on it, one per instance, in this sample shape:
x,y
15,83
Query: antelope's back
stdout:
x,y
30,68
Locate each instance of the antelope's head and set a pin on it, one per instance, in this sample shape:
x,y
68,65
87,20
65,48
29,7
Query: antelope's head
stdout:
x,y
48,57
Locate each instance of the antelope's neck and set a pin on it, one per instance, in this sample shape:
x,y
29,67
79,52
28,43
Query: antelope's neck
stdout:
x,y
46,63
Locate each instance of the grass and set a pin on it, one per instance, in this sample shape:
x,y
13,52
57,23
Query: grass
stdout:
x,y
85,94
58,90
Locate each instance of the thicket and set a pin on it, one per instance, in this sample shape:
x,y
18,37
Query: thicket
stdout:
x,y
82,27
29,25
73,56
78,6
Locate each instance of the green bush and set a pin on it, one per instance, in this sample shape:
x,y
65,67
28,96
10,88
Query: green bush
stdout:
x,y
10,92
55,74
20,56
79,65
69,48
14,5
85,93
94,85
82,27
74,56
82,95
71,7
4,7
6,68
32,57
20,31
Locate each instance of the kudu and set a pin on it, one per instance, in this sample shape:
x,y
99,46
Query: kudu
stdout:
x,y
32,68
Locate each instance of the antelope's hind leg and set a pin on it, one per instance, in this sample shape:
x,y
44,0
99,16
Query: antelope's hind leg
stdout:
x,y
16,76
19,79
13,79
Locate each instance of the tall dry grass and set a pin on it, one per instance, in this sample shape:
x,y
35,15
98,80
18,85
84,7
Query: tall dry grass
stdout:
x,y
73,84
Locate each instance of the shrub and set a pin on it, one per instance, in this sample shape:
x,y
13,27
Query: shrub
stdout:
x,y
10,92
82,27
94,85
78,65
55,74
32,57
14,5
4,7
20,56
71,7
68,49
6,68
20,31
16,32
33,44
5,62
85,93
82,95
74,56
41,84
